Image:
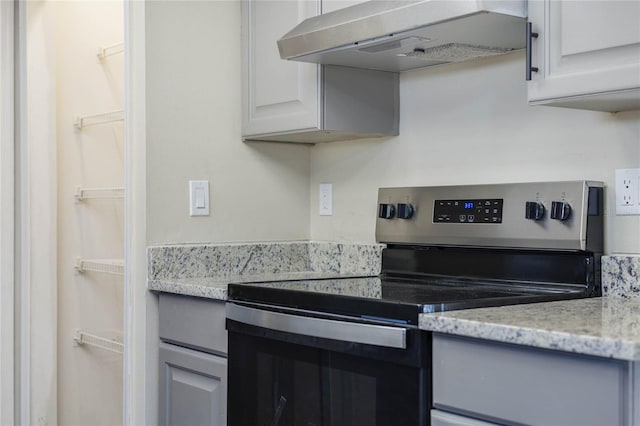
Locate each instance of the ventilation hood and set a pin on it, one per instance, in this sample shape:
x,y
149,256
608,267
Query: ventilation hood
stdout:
x,y
404,35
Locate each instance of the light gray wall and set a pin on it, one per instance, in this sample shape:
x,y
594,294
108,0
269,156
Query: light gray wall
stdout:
x,y
470,123
460,124
259,191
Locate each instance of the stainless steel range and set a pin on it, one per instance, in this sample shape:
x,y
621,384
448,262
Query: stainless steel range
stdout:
x,y
348,351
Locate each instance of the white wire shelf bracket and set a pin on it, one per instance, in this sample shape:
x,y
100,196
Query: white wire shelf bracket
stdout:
x,y
97,119
82,338
99,193
104,266
105,52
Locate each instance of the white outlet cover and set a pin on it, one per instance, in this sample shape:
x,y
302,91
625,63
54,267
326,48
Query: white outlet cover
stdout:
x,y
627,192
325,199
198,198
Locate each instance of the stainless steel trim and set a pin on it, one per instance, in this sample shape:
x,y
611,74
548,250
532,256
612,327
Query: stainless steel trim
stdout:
x,y
372,34
515,231
377,335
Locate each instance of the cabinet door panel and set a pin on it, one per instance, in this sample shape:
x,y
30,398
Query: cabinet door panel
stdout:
x,y
278,95
521,385
584,49
596,25
333,5
193,387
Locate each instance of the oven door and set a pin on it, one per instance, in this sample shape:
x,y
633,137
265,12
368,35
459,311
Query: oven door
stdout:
x,y
292,369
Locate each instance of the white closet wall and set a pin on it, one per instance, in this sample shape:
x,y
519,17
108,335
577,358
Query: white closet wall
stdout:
x,y
90,156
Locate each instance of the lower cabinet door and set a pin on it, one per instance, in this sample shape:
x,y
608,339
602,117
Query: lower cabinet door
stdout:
x,y
193,387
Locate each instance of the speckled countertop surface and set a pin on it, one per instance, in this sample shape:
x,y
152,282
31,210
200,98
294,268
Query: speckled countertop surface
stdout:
x,y
216,288
206,270
606,327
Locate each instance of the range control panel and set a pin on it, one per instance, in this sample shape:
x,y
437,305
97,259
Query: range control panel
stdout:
x,y
468,211
549,215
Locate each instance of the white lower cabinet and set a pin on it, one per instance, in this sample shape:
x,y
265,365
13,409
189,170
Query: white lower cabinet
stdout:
x,y
193,387
510,384
587,54
193,361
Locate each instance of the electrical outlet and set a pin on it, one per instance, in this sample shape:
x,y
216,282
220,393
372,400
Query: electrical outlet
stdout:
x,y
628,191
326,199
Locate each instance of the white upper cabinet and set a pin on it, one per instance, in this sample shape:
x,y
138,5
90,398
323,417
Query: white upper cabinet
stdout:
x,y
278,95
587,54
287,101
332,5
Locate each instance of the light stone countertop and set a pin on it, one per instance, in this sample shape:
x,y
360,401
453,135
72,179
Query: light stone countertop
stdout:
x,y
206,270
606,327
216,288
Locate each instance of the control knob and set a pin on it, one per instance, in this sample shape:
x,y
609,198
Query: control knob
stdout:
x,y
386,211
560,210
405,211
533,210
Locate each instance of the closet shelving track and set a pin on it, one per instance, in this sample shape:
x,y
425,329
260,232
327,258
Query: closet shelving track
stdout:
x,y
82,338
105,266
99,193
98,119
105,52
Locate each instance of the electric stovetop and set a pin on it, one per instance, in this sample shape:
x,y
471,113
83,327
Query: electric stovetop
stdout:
x,y
459,247
394,298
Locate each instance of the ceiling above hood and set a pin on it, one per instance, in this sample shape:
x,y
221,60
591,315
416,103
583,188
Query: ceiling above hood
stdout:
x,y
404,35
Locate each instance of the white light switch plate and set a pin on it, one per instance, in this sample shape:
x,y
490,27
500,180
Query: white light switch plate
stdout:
x,y
326,199
198,198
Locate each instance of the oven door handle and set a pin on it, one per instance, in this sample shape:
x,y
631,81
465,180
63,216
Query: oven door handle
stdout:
x,y
368,334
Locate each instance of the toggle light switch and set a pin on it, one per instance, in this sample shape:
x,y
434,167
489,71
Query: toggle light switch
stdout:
x,y
200,204
326,199
199,198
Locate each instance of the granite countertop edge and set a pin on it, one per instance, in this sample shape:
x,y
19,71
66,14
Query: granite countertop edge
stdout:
x,y
602,338
216,288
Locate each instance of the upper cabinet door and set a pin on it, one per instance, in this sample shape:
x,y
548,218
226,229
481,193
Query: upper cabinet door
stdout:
x,y
278,95
587,53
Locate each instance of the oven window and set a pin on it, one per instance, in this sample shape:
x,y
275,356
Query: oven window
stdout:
x,y
280,383
286,391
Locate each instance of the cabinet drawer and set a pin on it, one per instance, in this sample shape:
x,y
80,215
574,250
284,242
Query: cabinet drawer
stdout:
x,y
193,322
514,384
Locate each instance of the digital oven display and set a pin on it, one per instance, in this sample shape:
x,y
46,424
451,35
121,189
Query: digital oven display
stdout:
x,y
468,211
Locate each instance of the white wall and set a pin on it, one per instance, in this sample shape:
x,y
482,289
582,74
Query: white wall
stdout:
x,y
259,191
470,123
90,380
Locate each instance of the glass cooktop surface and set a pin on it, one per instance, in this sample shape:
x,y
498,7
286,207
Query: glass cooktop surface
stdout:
x,y
394,299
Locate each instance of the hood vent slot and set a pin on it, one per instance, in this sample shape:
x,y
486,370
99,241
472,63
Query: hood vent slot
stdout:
x,y
455,52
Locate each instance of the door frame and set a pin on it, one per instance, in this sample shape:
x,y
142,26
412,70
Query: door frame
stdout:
x,y
7,223
141,306
140,372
